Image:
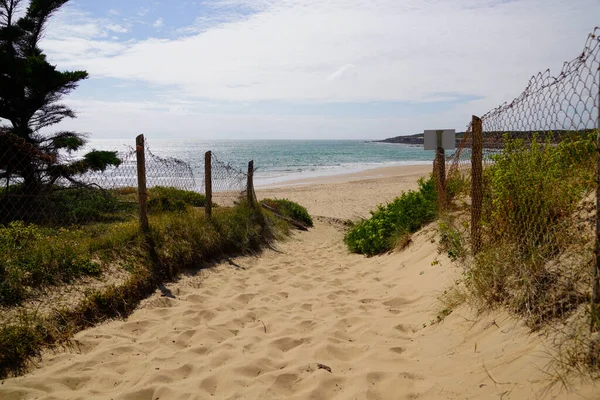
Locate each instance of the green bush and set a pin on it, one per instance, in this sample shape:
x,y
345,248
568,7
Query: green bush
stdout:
x,y
531,193
533,188
85,205
177,196
405,215
290,209
63,206
170,199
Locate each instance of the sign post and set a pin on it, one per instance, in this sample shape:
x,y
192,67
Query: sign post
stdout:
x,y
440,140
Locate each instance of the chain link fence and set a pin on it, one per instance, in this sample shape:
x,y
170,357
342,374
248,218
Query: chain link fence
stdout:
x,y
229,183
531,166
102,196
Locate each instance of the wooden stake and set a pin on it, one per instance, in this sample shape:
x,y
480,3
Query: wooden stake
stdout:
x,y
476,182
440,163
250,184
596,271
140,149
208,183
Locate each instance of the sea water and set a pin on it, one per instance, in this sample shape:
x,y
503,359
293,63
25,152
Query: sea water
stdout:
x,y
278,161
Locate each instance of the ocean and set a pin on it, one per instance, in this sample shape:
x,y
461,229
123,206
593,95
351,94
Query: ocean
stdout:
x,y
278,161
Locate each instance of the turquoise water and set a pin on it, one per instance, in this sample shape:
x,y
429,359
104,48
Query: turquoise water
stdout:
x,y
277,161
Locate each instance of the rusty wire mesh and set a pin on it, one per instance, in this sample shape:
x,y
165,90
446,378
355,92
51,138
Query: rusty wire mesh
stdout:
x,y
538,212
229,183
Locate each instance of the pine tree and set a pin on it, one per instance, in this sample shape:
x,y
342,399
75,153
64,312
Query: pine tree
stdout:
x,y
31,90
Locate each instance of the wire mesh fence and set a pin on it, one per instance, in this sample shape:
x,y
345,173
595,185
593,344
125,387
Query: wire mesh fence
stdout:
x,y
106,195
533,204
229,183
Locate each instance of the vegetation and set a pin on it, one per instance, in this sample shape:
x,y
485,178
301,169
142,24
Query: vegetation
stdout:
x,y
173,199
30,93
290,209
537,250
534,258
69,206
451,240
393,222
34,257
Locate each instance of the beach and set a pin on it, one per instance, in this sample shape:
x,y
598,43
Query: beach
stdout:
x,y
306,319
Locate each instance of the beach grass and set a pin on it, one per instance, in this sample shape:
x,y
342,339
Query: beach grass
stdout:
x,y
35,259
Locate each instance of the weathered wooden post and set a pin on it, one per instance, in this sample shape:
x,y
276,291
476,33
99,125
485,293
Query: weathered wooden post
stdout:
x,y
140,151
476,182
250,184
440,162
208,183
595,323
440,140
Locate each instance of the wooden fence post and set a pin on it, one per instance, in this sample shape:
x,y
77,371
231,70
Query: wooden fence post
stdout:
x,y
208,183
140,148
250,184
476,182
440,173
595,320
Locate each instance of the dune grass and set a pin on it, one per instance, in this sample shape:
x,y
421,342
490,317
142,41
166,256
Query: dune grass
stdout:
x,y
35,257
290,209
538,241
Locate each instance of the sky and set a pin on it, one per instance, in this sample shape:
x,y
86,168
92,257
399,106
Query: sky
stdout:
x,y
304,69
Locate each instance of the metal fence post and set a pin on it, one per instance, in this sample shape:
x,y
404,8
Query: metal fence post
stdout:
x,y
141,177
208,183
250,184
476,182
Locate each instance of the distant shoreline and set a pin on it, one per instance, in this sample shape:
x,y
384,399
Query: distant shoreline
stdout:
x,y
376,172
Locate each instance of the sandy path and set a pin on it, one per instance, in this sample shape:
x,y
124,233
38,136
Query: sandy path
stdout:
x,y
350,196
258,328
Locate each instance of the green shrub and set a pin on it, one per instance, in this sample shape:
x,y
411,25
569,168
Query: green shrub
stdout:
x,y
533,188
86,205
531,192
177,196
170,199
405,215
63,206
290,209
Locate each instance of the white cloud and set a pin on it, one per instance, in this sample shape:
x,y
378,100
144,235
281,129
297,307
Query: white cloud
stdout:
x,y
143,11
339,72
346,51
399,50
158,23
158,119
117,28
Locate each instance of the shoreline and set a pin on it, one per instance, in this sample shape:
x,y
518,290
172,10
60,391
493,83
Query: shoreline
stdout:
x,y
375,172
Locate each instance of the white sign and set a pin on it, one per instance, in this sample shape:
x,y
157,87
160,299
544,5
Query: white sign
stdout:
x,y
444,138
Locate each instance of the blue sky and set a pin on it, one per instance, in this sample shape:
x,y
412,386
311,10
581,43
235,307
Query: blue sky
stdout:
x,y
305,69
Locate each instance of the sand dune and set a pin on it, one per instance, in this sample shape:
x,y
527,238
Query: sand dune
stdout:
x,y
305,320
